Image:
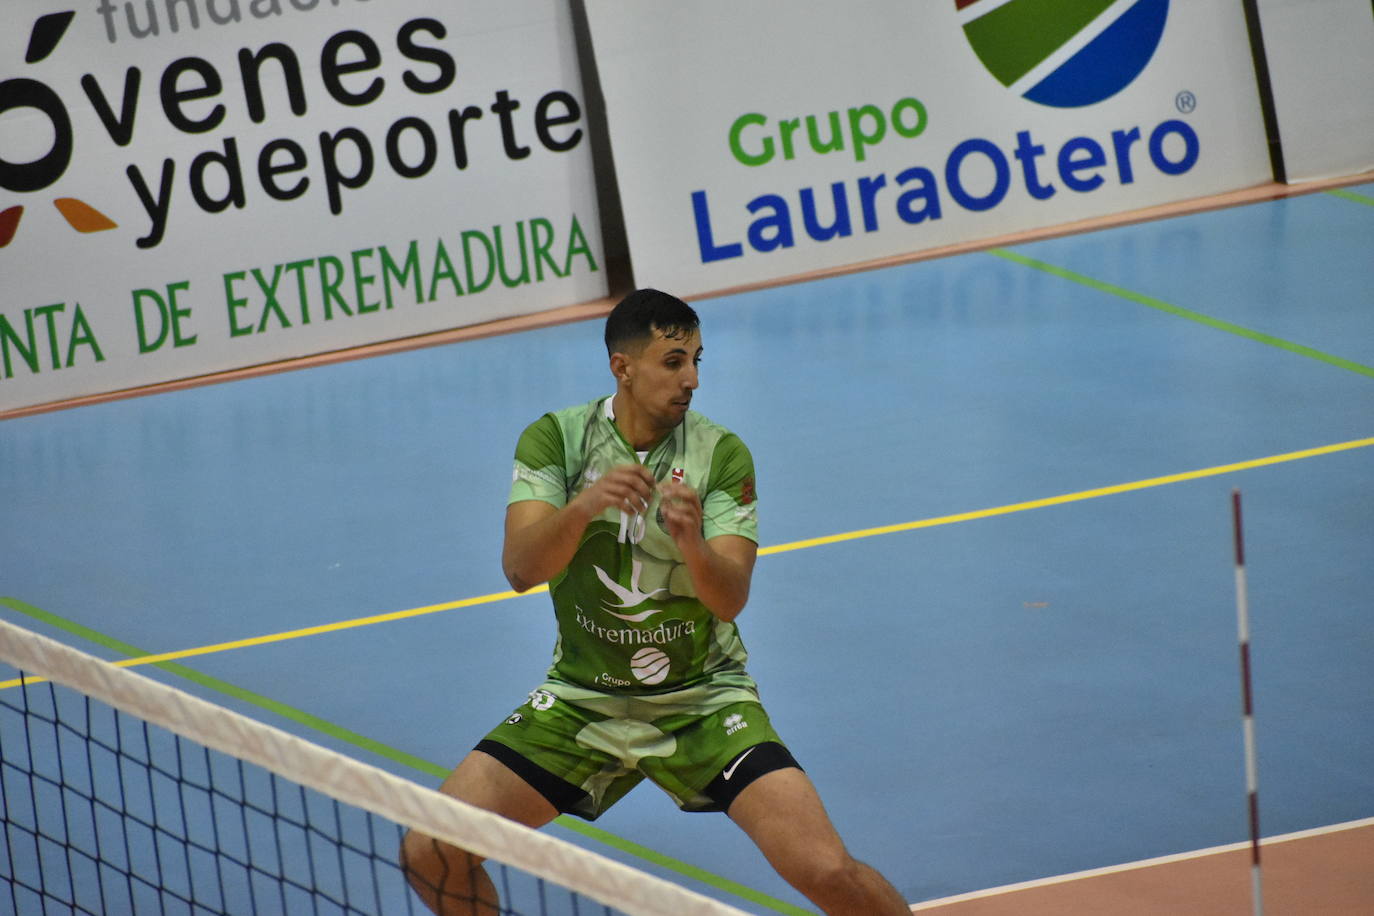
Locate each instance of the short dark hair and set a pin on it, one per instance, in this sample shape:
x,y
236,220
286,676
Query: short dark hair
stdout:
x,y
644,311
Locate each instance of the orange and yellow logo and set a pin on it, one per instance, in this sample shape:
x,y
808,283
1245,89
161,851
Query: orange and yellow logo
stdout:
x,y
45,171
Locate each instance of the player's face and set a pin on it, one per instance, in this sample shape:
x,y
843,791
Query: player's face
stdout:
x,y
663,377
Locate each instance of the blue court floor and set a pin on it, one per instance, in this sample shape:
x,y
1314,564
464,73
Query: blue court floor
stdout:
x,y
1041,677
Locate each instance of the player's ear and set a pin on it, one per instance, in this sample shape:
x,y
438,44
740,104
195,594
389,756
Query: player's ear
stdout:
x,y
620,367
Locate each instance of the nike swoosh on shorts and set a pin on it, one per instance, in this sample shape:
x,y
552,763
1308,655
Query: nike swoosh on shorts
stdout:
x,y
730,770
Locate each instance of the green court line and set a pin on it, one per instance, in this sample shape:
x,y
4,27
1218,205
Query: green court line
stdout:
x,y
301,717
682,868
1351,195
227,689
1181,312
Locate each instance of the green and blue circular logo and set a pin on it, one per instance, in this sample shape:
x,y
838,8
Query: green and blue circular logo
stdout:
x,y
1064,53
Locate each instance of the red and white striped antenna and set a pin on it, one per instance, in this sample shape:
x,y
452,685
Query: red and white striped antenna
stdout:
x,y
1248,707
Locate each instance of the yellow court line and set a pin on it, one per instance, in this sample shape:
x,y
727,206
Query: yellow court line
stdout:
x,y
1069,497
297,634
324,628
776,548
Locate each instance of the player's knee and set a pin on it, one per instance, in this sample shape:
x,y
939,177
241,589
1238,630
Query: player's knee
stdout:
x,y
825,875
434,867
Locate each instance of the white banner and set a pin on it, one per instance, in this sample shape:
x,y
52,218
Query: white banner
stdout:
x,y
759,140
188,186
1321,67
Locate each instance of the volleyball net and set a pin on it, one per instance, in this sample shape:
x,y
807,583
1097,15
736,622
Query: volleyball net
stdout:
x,y
120,794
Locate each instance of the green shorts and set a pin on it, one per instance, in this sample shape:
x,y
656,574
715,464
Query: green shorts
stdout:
x,y
584,750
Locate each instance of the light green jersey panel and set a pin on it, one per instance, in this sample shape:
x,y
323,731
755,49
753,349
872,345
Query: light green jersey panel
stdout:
x,y
629,621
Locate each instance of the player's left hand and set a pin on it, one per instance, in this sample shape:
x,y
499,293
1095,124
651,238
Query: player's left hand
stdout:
x,y
682,512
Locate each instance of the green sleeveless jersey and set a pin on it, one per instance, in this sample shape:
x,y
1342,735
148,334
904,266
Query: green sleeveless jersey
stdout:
x,y
629,621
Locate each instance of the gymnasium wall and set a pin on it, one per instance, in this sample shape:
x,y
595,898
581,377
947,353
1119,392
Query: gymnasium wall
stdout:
x,y
1320,56
194,186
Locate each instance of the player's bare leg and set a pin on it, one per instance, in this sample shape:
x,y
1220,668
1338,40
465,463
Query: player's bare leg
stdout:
x,y
784,816
452,881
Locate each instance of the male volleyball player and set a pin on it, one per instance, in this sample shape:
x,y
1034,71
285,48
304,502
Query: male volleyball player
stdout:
x,y
641,514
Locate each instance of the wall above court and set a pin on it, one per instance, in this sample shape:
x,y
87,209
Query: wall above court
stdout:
x,y
1320,57
201,185
764,139
189,187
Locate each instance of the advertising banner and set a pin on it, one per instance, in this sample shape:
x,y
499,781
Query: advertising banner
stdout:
x,y
754,141
1321,68
190,186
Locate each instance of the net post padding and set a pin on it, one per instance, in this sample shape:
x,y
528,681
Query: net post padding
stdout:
x,y
355,782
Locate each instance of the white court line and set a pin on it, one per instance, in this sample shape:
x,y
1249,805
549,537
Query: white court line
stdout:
x,y
1144,863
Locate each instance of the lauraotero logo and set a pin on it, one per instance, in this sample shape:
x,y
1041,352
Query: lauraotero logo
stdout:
x,y
1064,53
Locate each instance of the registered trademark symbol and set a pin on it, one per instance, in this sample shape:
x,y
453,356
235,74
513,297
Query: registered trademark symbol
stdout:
x,y
1185,101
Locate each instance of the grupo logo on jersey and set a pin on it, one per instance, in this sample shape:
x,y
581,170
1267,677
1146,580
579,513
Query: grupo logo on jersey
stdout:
x,y
1064,53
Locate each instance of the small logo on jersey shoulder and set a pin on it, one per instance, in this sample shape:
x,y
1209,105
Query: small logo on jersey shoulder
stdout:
x,y
534,476
542,700
679,475
734,722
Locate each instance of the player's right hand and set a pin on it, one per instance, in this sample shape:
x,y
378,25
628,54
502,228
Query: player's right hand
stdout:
x,y
626,487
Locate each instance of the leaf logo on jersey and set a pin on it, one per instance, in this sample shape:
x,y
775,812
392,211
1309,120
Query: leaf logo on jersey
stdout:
x,y
629,597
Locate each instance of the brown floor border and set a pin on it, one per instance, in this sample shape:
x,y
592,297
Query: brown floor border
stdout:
x,y
599,307
1323,871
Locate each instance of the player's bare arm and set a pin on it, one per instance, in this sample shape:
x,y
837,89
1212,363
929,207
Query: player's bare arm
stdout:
x,y
541,538
721,568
